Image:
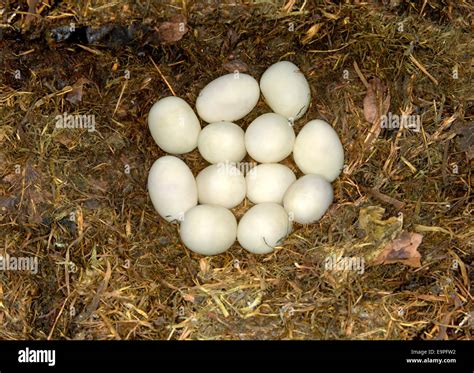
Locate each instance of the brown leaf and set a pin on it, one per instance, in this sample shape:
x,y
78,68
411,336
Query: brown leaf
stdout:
x,y
75,96
465,138
67,139
230,41
376,104
376,101
34,194
402,249
235,65
173,30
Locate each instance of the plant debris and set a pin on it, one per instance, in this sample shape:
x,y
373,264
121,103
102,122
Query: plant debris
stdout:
x,y
402,249
376,104
173,30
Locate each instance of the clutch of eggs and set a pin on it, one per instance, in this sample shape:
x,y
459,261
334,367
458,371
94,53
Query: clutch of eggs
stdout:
x,y
202,204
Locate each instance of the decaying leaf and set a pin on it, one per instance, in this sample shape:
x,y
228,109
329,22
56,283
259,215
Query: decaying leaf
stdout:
x,y
376,229
376,101
75,96
403,250
376,104
68,139
388,242
465,138
235,65
230,42
34,195
173,30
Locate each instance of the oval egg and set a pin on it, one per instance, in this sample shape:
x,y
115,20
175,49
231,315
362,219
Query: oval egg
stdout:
x,y
173,125
228,98
286,89
221,184
208,229
268,182
308,198
263,227
269,138
222,142
172,188
318,150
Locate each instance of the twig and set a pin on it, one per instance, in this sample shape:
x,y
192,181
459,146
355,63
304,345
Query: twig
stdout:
x,y
57,318
120,97
163,77
387,199
329,50
423,69
360,75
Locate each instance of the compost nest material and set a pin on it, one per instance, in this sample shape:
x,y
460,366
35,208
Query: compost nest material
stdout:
x,y
110,268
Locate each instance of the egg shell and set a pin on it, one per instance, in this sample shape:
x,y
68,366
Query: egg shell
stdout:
x,y
318,150
228,98
286,89
172,187
222,142
308,198
263,227
268,182
208,229
173,125
269,138
221,184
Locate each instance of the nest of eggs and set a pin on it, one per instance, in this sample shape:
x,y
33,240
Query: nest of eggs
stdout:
x,y
279,198
110,268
